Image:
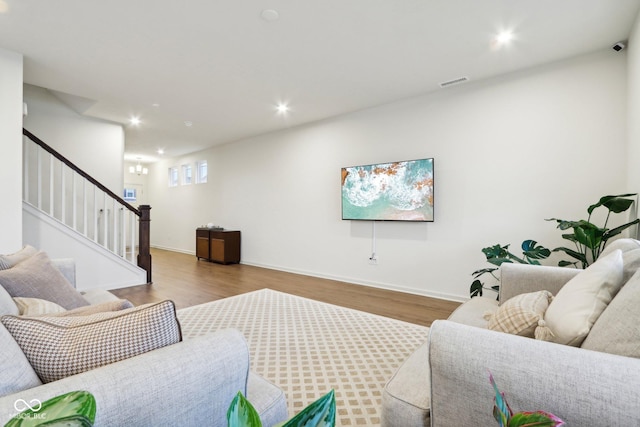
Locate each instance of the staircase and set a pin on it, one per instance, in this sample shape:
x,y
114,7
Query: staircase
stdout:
x,y
70,214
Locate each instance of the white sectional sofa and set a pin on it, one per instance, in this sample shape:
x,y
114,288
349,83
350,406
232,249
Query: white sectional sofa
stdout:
x,y
596,384
189,383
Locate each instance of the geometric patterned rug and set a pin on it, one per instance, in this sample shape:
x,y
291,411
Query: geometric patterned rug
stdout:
x,y
308,347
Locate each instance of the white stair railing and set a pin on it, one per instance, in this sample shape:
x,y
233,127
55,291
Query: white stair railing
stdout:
x,y
57,187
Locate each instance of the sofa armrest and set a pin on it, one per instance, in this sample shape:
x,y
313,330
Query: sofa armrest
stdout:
x,y
188,383
584,388
516,279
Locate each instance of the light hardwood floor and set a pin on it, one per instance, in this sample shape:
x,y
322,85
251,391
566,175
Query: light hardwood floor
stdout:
x,y
187,281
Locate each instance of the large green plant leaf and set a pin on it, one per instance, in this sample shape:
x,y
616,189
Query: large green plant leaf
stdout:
x,y
482,271
589,235
476,289
572,253
563,224
321,413
615,231
615,204
74,409
241,413
496,252
532,251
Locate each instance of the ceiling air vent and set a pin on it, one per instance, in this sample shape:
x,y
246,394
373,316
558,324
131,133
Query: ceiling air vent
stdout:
x,y
454,81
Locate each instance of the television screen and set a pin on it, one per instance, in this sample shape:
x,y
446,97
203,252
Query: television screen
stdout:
x,y
398,191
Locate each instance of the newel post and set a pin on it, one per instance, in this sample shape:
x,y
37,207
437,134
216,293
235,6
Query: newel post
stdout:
x,y
144,256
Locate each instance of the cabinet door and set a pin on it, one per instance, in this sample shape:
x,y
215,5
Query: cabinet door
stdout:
x,y
202,247
217,250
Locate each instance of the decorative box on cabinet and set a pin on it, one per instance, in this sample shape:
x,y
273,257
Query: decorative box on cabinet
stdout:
x,y
218,245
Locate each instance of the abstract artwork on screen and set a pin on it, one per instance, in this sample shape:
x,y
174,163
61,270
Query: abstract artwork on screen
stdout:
x,y
397,191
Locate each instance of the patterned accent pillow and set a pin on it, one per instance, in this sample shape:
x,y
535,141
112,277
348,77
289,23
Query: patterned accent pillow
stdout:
x,y
58,347
36,277
10,260
521,314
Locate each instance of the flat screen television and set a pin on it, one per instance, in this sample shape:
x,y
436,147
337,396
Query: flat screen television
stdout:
x,y
397,191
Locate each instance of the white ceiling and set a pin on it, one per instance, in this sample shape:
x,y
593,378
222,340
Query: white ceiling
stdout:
x,y
218,64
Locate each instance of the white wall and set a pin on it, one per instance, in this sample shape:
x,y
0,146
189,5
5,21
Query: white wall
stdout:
x,y
633,113
95,146
11,149
509,152
96,267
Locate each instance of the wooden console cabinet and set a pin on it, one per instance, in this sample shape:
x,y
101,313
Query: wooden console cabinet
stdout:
x,y
218,245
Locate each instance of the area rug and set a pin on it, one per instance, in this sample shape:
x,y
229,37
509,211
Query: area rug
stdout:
x,y
308,347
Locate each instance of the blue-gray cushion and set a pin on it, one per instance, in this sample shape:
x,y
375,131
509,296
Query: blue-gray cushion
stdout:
x,y
36,277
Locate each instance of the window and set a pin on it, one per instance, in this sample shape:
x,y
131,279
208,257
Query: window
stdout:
x,y
173,177
186,174
130,195
201,176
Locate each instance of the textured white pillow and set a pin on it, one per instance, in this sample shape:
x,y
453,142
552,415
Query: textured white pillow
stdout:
x,y
36,306
580,302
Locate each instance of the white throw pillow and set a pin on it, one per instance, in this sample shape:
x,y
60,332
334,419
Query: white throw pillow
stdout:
x,y
36,306
580,302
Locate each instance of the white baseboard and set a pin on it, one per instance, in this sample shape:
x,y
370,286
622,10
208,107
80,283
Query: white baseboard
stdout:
x,y
379,285
166,248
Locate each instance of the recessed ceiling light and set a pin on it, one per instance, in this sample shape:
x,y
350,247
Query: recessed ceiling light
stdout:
x,y
270,15
504,37
155,105
160,151
135,121
282,108
188,123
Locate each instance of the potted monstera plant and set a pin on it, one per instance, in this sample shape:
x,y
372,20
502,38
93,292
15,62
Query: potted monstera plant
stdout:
x,y
588,240
498,254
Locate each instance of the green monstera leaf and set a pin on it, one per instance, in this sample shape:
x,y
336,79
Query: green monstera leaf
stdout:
x,y
499,254
533,252
74,409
